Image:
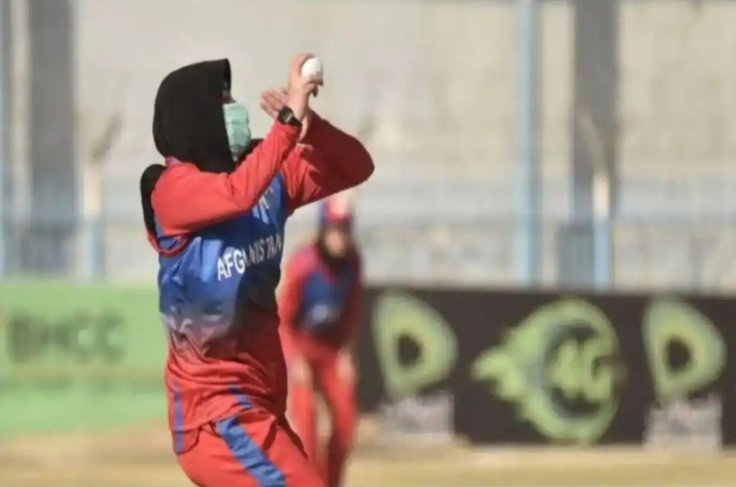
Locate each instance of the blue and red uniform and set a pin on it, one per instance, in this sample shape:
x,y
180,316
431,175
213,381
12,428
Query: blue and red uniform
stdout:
x,y
219,232
319,307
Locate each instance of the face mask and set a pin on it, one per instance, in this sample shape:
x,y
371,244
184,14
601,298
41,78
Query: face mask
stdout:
x,y
238,130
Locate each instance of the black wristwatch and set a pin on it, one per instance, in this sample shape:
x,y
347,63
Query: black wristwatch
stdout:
x,y
287,117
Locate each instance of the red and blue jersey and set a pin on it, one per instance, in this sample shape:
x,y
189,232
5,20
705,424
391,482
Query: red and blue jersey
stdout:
x,y
225,270
220,239
319,303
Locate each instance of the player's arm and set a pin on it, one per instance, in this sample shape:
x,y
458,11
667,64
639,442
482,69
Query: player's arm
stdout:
x,y
346,366
290,302
187,199
328,161
353,310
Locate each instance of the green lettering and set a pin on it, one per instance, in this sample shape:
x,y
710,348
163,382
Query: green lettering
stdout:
x,y
669,321
562,353
400,315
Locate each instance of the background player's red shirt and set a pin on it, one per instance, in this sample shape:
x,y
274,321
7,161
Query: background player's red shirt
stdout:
x,y
310,286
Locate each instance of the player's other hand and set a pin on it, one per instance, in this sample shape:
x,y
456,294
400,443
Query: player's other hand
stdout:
x,y
299,87
346,372
300,373
273,100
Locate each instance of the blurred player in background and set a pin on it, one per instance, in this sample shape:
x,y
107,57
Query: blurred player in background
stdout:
x,y
319,307
216,213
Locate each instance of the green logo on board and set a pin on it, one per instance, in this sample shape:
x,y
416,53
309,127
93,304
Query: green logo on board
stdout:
x,y
561,368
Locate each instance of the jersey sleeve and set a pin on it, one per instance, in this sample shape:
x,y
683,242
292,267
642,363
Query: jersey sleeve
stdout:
x,y
328,162
290,301
351,320
186,199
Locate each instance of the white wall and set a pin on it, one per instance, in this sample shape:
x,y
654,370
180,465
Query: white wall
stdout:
x,y
429,86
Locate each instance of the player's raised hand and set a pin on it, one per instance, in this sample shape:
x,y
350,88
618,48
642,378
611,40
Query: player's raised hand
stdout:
x,y
273,100
299,87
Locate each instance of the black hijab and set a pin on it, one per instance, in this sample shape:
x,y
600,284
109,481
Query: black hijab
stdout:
x,y
188,121
189,125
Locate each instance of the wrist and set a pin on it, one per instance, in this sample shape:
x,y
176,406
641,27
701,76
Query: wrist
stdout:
x,y
286,116
298,106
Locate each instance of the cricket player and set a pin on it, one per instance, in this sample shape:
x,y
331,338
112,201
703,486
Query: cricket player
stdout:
x,y
319,307
215,212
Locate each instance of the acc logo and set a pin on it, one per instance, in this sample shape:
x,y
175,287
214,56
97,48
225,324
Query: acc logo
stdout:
x,y
561,368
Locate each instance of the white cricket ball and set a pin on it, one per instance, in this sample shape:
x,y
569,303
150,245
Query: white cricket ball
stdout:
x,y
311,67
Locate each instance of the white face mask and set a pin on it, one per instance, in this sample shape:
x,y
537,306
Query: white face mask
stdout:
x,y
237,124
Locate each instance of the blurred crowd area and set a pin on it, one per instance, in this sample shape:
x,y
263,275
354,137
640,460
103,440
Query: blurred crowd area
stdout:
x,y
641,88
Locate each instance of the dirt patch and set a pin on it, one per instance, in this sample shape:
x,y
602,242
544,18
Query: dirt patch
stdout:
x,y
141,456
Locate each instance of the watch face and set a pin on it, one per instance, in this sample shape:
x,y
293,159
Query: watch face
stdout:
x,y
286,115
